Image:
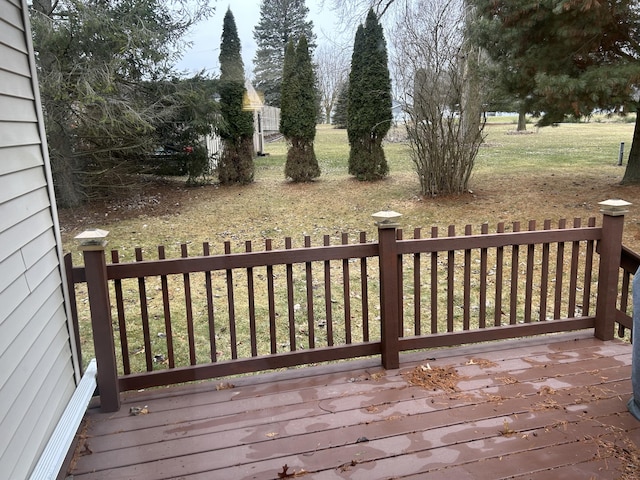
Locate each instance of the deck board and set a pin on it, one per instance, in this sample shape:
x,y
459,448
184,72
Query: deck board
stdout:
x,y
522,409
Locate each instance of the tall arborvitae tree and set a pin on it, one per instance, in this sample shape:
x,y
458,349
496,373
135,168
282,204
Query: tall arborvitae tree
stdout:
x,y
369,112
299,112
280,21
236,162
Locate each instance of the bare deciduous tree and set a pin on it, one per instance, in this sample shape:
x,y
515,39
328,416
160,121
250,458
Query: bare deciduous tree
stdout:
x,y
435,74
355,10
332,70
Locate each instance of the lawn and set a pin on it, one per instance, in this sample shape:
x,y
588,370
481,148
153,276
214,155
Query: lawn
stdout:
x,y
552,173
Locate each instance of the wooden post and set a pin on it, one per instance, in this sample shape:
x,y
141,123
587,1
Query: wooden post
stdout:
x,y
92,244
389,304
608,273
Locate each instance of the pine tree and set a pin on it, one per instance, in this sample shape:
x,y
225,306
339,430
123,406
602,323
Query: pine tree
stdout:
x,y
280,21
236,162
369,112
299,112
567,57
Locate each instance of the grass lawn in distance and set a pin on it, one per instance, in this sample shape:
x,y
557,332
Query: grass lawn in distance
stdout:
x,y
555,172
552,173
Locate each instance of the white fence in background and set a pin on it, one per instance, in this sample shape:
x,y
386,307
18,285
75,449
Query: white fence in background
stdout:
x,y
214,145
265,121
270,119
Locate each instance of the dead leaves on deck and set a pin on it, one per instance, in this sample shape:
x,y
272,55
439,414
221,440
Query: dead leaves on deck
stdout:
x,y
441,378
434,378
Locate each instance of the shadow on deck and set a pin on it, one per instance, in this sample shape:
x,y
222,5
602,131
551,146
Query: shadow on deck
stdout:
x,y
548,407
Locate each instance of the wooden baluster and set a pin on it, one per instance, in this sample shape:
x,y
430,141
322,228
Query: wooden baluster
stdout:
x,y
168,330
233,339
144,316
309,285
208,283
253,335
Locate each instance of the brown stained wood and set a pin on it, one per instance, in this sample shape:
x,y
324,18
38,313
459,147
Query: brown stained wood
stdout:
x,y
610,249
290,300
466,302
567,393
460,280
400,277
588,272
434,285
451,265
417,296
233,340
544,275
144,316
528,290
573,274
496,240
186,279
210,310
515,266
271,301
364,287
102,328
346,293
166,308
236,260
624,298
559,273
122,323
327,296
497,320
482,320
309,285
252,306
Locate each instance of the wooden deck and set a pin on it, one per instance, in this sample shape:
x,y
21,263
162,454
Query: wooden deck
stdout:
x,y
552,407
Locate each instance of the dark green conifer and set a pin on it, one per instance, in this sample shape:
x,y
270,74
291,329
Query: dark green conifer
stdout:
x,y
280,21
236,161
369,102
299,112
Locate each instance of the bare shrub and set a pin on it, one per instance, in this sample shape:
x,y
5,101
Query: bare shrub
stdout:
x,y
436,73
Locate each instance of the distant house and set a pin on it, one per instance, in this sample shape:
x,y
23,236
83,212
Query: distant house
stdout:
x,y
38,367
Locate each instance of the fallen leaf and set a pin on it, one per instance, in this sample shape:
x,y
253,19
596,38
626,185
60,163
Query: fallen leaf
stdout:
x,y
224,386
138,410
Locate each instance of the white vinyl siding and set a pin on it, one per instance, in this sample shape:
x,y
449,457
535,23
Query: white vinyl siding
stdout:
x,y
36,373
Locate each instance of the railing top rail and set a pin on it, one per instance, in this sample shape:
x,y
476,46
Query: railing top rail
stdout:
x,y
493,240
147,268
630,260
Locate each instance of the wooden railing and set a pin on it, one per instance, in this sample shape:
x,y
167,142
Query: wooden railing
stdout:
x,y
206,316
629,264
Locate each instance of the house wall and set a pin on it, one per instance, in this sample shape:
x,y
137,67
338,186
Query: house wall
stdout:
x,y
37,371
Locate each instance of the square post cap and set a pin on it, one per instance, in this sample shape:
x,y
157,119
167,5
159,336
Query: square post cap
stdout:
x,y
386,219
94,239
614,208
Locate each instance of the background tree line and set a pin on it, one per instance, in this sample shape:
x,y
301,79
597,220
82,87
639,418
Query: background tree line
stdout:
x,y
110,94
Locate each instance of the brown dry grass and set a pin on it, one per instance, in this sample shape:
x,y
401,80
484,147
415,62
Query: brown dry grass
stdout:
x,y
548,174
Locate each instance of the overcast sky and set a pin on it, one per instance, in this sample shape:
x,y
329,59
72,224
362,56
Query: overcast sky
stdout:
x,y
206,35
